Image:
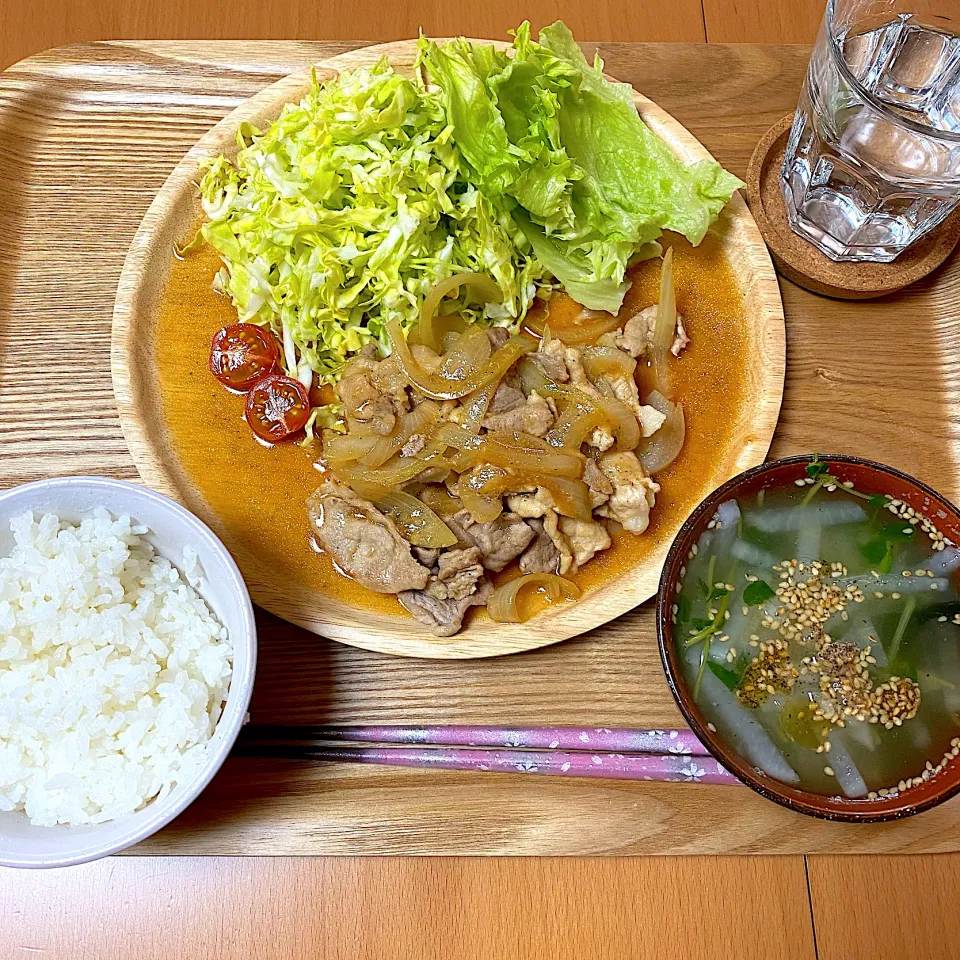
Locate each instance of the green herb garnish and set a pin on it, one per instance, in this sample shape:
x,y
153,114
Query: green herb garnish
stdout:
x,y
727,677
758,592
879,550
908,608
713,625
820,471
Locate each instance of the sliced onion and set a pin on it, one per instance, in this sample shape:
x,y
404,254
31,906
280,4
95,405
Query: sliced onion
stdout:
x,y
437,497
360,428
429,330
587,332
392,475
574,426
468,354
476,405
419,420
656,453
346,447
418,524
622,420
441,388
570,497
607,362
665,327
482,503
450,328
429,359
502,605
532,376
513,451
615,413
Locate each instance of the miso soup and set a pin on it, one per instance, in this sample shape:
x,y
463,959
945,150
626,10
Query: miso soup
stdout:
x,y
818,628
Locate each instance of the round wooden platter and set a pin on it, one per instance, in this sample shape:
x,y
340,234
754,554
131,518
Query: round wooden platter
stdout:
x,y
176,210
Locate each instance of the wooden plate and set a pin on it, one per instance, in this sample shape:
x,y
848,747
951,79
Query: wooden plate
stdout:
x,y
171,216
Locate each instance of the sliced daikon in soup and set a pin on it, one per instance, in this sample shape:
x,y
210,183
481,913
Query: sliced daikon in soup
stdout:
x,y
819,633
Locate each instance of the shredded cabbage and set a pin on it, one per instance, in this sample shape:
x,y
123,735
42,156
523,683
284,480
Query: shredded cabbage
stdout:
x,y
531,168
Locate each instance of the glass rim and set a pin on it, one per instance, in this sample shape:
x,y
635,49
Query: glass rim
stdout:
x,y
875,102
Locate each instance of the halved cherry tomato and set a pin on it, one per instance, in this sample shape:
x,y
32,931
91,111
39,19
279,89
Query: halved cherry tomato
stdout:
x,y
243,354
276,407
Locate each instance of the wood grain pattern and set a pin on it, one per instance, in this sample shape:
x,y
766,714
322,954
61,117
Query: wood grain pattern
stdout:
x,y
173,214
866,907
410,909
762,21
881,379
29,27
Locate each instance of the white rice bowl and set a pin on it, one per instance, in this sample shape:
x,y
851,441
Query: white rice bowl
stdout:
x,y
113,670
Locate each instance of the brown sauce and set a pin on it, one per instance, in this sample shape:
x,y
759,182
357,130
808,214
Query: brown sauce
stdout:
x,y
259,492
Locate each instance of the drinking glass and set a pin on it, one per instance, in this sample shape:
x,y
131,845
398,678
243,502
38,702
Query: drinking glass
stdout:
x,y
873,160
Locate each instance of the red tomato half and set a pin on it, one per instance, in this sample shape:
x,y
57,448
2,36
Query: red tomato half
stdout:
x,y
276,407
243,354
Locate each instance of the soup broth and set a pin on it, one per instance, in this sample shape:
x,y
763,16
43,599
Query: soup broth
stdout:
x,y
818,628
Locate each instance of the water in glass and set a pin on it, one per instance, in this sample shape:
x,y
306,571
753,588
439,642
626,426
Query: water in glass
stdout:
x,y
873,160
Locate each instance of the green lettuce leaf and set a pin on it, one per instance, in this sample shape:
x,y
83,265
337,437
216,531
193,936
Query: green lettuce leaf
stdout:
x,y
632,179
563,149
530,167
343,214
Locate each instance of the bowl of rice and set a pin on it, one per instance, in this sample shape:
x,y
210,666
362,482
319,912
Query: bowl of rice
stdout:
x,y
127,656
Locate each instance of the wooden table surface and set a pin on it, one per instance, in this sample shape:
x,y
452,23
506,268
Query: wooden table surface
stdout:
x,y
828,908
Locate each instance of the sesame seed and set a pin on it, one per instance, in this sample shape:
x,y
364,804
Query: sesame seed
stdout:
x,y
828,771
711,728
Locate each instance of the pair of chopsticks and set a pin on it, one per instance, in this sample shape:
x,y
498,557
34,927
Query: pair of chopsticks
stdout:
x,y
599,752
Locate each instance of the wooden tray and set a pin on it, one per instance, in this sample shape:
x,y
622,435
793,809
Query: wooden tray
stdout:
x,y
88,134
169,221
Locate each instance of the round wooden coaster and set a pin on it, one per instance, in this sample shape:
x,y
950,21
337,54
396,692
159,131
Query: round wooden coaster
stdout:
x,y
804,264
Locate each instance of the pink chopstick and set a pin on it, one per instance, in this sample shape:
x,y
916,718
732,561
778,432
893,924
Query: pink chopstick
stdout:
x,y
617,740
599,752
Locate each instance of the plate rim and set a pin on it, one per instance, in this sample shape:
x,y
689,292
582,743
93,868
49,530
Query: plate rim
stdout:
x,y
127,356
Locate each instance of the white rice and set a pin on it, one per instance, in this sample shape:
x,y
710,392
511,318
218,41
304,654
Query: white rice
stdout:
x,y
113,670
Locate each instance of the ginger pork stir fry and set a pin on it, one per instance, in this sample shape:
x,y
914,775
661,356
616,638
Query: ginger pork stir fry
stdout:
x,y
469,448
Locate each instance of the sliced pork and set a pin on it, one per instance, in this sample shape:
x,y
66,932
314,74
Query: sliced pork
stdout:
x,y
364,543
